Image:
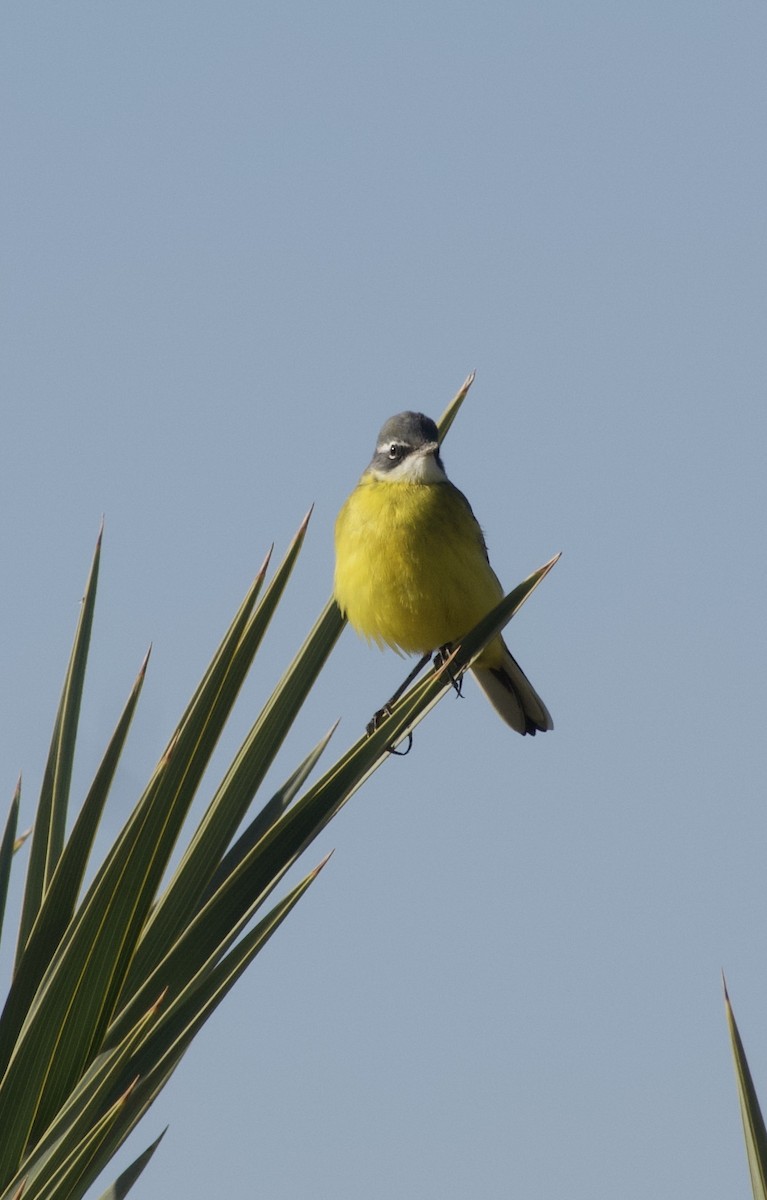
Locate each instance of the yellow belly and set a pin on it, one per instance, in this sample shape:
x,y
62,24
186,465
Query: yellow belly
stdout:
x,y
411,568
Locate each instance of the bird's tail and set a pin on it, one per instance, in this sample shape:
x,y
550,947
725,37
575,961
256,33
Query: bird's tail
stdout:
x,y
512,695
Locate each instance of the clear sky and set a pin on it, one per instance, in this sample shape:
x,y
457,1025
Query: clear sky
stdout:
x,y
235,239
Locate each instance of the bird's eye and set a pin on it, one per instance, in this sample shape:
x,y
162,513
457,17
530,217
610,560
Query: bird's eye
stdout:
x,y
394,451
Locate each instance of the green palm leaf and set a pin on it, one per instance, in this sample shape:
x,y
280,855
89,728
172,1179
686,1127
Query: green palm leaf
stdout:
x,y
48,837
753,1123
126,1179
8,847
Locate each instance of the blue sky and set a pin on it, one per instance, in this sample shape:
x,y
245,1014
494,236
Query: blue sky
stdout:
x,y
235,239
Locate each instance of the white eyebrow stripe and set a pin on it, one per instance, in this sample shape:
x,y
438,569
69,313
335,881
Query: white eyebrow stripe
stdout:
x,y
416,468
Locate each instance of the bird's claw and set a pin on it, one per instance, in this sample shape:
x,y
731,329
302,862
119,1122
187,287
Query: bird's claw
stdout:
x,y
441,659
375,722
377,719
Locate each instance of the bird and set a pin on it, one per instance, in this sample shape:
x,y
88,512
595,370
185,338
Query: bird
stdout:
x,y
412,570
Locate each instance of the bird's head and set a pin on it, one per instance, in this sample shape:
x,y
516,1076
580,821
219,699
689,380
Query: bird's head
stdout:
x,y
407,451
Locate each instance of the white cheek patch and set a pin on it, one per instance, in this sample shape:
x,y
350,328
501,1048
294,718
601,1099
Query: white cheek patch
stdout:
x,y
416,468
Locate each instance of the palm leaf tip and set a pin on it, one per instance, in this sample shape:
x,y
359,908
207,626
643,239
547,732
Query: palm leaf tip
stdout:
x,y
754,1130
124,1182
451,412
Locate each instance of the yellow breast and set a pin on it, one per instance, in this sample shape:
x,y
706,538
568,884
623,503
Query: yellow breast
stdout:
x,y
411,567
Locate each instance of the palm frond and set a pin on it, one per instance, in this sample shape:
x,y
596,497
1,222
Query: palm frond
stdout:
x,y
113,980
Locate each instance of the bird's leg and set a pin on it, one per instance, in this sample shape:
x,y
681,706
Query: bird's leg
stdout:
x,y
384,712
440,658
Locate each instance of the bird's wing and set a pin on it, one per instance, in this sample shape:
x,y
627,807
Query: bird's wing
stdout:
x,y
478,528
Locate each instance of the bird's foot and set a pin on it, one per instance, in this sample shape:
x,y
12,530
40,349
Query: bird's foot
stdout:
x,y
440,659
377,720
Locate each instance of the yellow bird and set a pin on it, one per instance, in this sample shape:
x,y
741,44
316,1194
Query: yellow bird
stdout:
x,y
412,570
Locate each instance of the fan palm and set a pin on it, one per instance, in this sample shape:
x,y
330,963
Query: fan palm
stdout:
x,y
113,980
